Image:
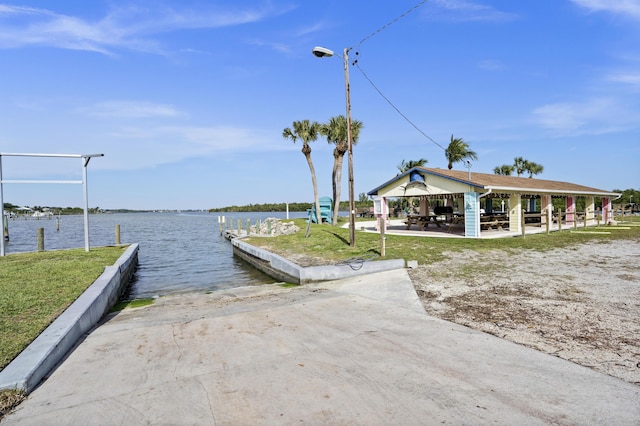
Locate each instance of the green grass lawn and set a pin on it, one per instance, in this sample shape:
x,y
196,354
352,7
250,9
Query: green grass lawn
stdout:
x,y
35,288
332,243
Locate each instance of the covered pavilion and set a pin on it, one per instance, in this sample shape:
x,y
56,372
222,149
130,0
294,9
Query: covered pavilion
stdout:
x,y
475,203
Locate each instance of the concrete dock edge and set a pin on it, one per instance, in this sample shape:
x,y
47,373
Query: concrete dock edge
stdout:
x,y
285,270
28,369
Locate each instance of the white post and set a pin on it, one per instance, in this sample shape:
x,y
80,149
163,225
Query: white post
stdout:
x,y
85,193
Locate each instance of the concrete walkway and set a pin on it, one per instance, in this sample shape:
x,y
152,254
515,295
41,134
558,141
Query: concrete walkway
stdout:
x,y
355,351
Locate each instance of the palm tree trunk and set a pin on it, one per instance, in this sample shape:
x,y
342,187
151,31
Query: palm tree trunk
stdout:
x,y
334,184
315,187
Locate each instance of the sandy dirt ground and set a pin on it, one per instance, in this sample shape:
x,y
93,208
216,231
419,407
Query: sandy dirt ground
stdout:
x,y
580,303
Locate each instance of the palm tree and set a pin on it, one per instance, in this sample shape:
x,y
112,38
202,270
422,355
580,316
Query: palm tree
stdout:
x,y
408,165
336,133
533,168
307,131
519,165
504,170
458,150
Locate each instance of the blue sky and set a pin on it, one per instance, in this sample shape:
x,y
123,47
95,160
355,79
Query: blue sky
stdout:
x,y
188,99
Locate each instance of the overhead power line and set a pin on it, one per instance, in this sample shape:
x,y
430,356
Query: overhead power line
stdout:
x,y
373,34
395,107
384,27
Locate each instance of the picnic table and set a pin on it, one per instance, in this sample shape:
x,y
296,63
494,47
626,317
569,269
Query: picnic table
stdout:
x,y
491,220
422,221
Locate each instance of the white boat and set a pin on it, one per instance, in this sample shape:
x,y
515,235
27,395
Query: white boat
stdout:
x,y
42,214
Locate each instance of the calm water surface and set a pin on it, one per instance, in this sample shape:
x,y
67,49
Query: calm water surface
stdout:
x,y
179,252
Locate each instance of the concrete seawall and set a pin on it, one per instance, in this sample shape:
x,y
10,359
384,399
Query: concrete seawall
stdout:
x,y
285,270
28,369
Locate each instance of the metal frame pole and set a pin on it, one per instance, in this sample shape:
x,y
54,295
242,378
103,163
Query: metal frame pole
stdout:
x,y
85,162
85,193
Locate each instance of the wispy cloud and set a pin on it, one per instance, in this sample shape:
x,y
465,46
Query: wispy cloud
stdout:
x,y
278,47
137,147
131,109
490,65
311,29
629,8
593,116
130,28
464,10
631,79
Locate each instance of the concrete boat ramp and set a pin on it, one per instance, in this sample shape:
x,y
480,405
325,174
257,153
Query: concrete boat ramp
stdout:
x,y
359,350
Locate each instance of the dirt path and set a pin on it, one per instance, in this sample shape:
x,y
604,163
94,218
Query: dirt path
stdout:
x,y
580,303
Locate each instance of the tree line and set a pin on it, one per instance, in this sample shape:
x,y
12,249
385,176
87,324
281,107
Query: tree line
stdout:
x,y
362,202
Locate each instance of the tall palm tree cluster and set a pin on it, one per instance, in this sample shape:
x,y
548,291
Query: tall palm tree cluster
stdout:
x,y
520,165
335,131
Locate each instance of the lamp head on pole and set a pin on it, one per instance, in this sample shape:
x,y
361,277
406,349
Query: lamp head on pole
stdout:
x,y
321,52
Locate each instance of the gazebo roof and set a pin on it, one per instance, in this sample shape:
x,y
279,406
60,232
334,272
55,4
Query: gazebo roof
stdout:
x,y
441,181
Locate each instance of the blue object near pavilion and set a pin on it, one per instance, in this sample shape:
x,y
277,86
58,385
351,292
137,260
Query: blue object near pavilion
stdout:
x,y
415,176
326,211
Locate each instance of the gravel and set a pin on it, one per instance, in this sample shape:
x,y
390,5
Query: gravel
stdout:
x,y
580,303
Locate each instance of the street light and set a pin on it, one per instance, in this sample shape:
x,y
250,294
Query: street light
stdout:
x,y
322,52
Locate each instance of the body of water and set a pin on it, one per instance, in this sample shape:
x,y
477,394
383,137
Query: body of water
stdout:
x,y
179,252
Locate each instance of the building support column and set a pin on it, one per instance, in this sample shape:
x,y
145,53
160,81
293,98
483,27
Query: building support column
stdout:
x,y
515,213
546,209
590,206
571,210
607,210
488,205
471,214
424,206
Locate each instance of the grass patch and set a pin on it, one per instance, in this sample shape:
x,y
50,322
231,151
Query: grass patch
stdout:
x,y
130,304
10,399
332,243
289,285
35,288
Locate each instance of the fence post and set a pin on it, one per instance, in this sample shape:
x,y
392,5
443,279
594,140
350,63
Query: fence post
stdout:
x,y
40,237
5,227
522,222
118,234
586,210
383,226
560,220
548,219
